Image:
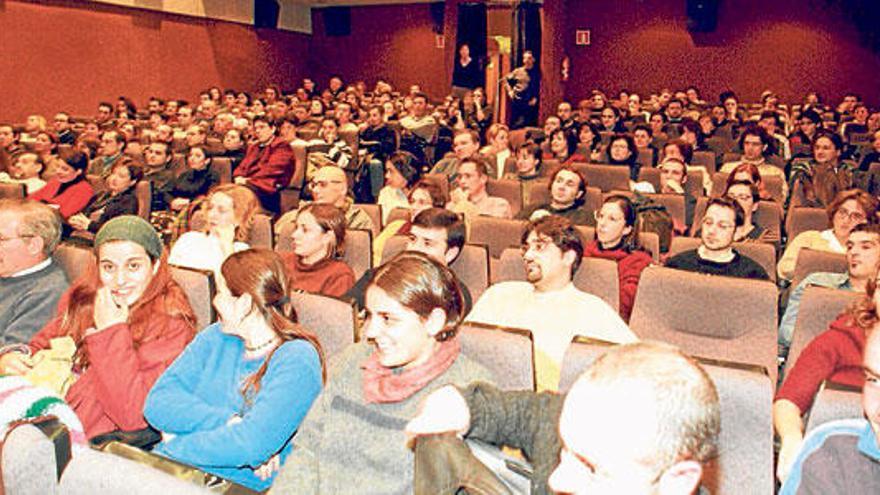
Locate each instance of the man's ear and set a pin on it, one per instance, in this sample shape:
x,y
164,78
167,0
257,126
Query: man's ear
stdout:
x,y
451,254
569,257
681,477
35,245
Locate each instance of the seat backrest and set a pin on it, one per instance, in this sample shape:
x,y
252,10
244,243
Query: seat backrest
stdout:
x,y
399,214
704,159
358,251
12,190
606,177
222,165
650,242
812,260
506,352
375,214
441,180
717,317
578,357
28,462
261,234
472,268
300,153
508,189
802,219
745,443
762,253
772,183
199,287
497,234
74,260
332,320
144,193
835,401
819,307
768,215
595,275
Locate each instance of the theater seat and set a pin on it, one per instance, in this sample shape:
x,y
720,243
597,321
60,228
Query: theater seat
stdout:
x,y
471,267
762,253
508,189
835,401
144,192
74,260
497,234
358,253
12,191
732,319
332,320
261,232
811,260
200,289
223,166
802,219
506,352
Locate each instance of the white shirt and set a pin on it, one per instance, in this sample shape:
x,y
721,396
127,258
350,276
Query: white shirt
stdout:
x,y
34,269
200,251
554,318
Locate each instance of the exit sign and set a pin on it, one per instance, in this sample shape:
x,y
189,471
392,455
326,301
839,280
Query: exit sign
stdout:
x,y
582,37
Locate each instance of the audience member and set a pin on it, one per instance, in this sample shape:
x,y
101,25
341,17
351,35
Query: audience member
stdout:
x,y
568,190
118,199
31,283
747,195
618,240
465,145
528,164
622,151
715,255
400,175
470,197
816,182
414,307
110,150
128,320
548,304
424,194
330,186
754,141
267,166
380,142
159,171
25,169
318,244
194,182
848,209
68,191
236,395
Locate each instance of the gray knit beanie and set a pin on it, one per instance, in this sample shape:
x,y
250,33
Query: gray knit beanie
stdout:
x,y
134,229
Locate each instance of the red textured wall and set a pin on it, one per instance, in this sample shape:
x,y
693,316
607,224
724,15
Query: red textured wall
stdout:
x,y
789,46
66,55
390,42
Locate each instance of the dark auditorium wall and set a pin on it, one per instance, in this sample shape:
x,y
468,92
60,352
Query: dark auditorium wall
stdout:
x,y
60,54
789,46
390,42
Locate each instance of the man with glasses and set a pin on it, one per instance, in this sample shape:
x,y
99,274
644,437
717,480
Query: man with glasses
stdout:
x,y
716,256
547,303
31,283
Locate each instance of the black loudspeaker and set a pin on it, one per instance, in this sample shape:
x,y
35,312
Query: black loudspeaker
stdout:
x,y
702,15
266,13
337,21
438,16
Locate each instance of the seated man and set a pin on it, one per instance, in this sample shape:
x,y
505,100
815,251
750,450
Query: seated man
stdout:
x,y
109,151
465,144
843,456
673,180
471,198
754,141
158,169
549,304
644,418
30,282
862,262
435,232
568,190
25,170
330,186
715,256
267,166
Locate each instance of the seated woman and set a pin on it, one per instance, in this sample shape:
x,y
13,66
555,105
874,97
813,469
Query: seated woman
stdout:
x,y
622,151
400,175
749,173
563,148
354,434
816,182
195,182
229,215
747,195
617,240
318,243
568,191
528,163
68,190
239,391
129,321
423,195
848,209
589,142
498,149
118,199
834,355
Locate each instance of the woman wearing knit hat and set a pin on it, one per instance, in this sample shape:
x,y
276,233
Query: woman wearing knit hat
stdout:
x,y
129,321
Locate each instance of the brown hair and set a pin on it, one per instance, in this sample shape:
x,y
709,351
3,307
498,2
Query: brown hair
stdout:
x,y
422,285
330,219
244,206
562,233
261,274
865,201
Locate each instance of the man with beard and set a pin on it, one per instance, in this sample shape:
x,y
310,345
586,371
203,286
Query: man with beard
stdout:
x,y
548,304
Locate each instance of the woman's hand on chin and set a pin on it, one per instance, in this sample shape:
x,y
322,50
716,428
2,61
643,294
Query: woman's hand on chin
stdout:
x,y
108,311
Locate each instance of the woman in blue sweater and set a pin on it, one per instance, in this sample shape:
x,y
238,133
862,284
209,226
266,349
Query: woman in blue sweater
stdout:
x,y
231,402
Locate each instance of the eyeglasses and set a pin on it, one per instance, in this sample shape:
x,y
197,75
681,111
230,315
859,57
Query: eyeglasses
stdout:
x,y
324,183
855,216
538,246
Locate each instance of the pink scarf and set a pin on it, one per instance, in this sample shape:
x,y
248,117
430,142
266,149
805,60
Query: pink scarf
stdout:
x,y
383,384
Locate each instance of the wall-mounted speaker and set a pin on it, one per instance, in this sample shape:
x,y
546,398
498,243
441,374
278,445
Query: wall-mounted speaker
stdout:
x,y
702,15
266,13
337,21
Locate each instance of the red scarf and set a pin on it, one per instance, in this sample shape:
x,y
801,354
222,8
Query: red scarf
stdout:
x,y
383,384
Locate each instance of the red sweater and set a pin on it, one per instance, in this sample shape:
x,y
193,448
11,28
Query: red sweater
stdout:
x,y
327,277
629,270
110,393
70,202
268,168
835,355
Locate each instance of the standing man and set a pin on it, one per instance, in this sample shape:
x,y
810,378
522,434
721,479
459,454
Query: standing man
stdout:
x,y
523,86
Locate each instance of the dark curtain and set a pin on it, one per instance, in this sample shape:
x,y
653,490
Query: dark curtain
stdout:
x,y
526,31
472,30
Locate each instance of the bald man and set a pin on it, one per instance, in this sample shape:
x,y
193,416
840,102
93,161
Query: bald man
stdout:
x,y
644,418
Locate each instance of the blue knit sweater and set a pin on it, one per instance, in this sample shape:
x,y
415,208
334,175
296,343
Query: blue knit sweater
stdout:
x,y
198,394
